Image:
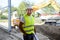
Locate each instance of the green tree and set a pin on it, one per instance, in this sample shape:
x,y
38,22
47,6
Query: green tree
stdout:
x,y
3,17
12,9
21,8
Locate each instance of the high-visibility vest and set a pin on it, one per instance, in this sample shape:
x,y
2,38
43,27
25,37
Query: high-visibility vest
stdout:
x,y
28,24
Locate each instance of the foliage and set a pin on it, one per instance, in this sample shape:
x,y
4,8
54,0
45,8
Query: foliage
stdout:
x,y
3,17
21,8
12,9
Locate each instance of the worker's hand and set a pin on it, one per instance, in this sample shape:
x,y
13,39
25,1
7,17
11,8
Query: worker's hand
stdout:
x,y
35,32
24,33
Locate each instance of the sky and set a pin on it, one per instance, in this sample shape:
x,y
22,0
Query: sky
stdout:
x,y
4,3
16,3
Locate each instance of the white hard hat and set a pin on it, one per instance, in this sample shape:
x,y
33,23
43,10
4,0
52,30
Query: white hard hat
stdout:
x,y
29,7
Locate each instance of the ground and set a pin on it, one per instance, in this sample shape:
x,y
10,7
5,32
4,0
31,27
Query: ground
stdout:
x,y
16,35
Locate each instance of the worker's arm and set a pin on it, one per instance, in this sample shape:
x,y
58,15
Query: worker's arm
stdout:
x,y
21,28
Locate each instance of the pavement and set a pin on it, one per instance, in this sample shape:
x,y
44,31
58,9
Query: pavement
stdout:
x,y
16,34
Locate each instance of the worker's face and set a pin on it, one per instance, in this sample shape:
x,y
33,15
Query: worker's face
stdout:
x,y
29,11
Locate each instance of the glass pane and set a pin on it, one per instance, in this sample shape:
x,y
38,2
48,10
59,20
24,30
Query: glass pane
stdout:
x,y
4,14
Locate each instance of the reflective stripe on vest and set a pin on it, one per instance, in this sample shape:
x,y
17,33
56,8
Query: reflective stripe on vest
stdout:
x,y
29,24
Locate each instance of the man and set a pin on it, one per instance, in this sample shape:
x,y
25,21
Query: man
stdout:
x,y
27,25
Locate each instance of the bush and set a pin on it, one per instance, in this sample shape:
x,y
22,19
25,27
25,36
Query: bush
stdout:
x,y
3,17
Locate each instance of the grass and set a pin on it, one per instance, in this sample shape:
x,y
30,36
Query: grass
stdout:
x,y
3,20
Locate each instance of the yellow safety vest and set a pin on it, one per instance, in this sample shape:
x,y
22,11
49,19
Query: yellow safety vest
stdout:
x,y
29,24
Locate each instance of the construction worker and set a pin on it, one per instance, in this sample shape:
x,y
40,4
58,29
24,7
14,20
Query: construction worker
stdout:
x,y
27,25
